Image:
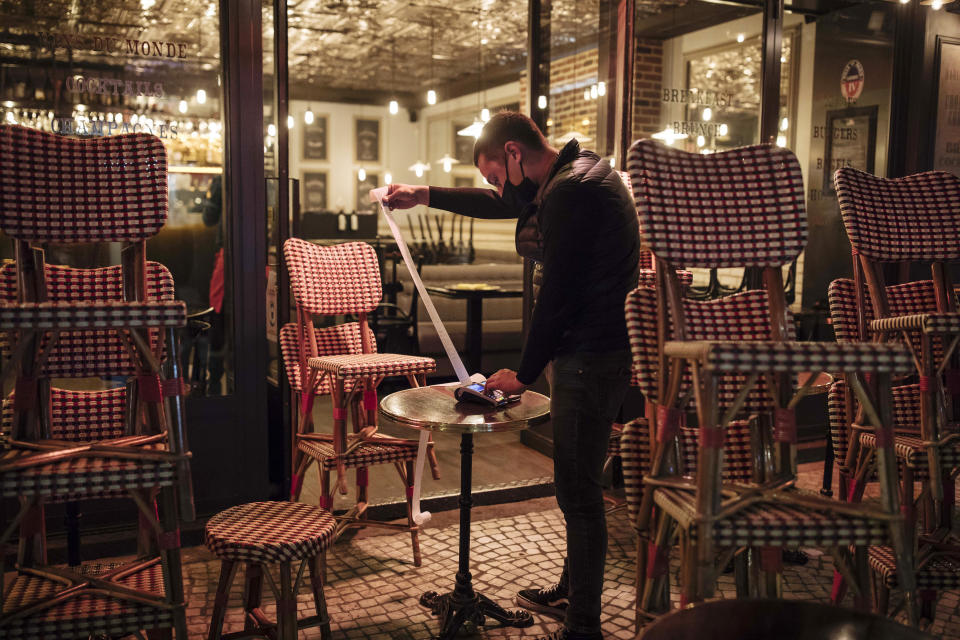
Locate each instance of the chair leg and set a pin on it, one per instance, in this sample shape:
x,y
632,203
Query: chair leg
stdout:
x,y
882,595
32,545
928,604
287,605
252,594
863,599
228,569
414,528
317,571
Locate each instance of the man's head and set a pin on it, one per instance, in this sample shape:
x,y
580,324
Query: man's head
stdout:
x,y
510,148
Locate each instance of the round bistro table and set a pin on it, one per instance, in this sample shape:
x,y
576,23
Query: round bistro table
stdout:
x,y
435,409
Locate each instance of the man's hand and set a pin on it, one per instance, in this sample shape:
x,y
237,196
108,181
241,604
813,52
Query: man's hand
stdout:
x,y
506,380
406,196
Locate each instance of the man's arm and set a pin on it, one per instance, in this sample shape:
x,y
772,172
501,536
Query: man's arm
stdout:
x,y
476,203
566,228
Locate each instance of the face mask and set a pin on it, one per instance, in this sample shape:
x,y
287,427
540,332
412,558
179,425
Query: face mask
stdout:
x,y
517,196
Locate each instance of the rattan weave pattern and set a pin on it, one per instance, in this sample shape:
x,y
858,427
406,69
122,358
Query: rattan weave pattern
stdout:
x,y
334,280
941,572
771,524
916,217
87,477
373,364
87,614
59,189
80,415
790,357
742,207
339,339
270,532
365,455
91,315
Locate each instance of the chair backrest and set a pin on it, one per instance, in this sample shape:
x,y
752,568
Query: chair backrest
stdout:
x,y
334,280
742,207
81,354
56,189
901,219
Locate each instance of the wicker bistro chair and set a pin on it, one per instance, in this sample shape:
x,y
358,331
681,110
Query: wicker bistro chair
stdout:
x,y
744,207
70,445
937,566
342,361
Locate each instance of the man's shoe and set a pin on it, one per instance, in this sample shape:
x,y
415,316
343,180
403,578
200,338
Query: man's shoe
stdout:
x,y
550,602
565,634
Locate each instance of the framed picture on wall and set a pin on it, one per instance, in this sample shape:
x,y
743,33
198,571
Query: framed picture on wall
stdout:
x,y
851,141
463,146
370,181
314,191
946,141
367,139
463,181
315,139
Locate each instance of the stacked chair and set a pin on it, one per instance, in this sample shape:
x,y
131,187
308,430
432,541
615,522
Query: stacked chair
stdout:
x,y
341,361
726,369
905,222
66,445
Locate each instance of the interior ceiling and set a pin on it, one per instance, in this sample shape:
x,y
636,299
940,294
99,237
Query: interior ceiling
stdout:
x,y
382,46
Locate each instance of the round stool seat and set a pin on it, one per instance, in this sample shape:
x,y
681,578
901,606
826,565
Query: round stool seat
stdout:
x,y
270,532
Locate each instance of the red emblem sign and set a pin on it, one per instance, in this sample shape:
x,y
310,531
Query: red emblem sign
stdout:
x,y
851,80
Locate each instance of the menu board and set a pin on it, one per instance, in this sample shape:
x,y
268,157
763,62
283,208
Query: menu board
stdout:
x,y
946,152
314,191
851,141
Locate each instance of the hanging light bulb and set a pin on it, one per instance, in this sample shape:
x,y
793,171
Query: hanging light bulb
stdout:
x,y
272,130
723,129
936,5
741,37
784,124
431,97
701,141
201,96
182,107
472,130
387,178
707,114
308,116
447,162
418,168
290,122
602,88
781,141
394,107
594,92
362,174
542,102
484,114
586,94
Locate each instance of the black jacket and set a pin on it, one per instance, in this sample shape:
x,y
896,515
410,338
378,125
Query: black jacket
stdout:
x,y
590,249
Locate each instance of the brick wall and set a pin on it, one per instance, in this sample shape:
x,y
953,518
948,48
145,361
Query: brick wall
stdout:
x,y
648,82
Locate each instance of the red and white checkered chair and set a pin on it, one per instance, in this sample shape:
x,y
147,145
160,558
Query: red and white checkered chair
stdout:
x,y
65,445
342,361
744,208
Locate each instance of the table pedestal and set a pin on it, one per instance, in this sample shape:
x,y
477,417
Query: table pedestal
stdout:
x,y
463,604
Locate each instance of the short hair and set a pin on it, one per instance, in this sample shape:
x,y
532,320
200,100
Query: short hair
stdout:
x,y
506,126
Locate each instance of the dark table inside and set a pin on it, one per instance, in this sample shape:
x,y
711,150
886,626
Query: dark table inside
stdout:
x,y
474,298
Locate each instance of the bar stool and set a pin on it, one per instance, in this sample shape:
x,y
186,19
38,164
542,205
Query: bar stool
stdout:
x,y
261,534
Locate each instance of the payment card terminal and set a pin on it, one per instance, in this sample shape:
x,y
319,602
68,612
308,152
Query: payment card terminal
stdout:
x,y
476,392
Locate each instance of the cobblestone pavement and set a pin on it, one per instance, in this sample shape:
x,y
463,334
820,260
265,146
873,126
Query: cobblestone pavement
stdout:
x,y
373,587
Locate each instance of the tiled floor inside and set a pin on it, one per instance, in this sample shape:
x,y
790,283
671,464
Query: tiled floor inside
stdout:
x,y
373,587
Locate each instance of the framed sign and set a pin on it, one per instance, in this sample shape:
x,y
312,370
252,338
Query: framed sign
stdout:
x,y
367,139
851,141
315,139
314,191
462,146
371,181
946,142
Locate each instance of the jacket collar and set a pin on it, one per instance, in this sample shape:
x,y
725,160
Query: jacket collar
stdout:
x,y
567,155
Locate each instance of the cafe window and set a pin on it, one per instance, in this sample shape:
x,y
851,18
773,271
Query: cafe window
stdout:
x,y
138,67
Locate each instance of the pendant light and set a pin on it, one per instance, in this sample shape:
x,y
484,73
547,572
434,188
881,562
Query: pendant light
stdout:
x,y
308,115
394,106
431,94
474,129
419,168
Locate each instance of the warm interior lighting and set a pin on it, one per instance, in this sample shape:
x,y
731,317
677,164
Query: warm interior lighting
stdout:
x,y
723,129
936,5
570,135
668,136
308,116
472,130
387,178
201,96
707,114
272,130
701,141
602,88
394,107
290,122
542,102
147,4
781,141
784,124
418,168
741,37
431,97
362,174
586,94
182,106
594,92
484,114
447,162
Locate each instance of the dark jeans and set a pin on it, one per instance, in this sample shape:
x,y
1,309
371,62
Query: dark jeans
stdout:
x,y
586,392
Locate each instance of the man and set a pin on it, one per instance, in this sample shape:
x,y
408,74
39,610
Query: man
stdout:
x,y
575,215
